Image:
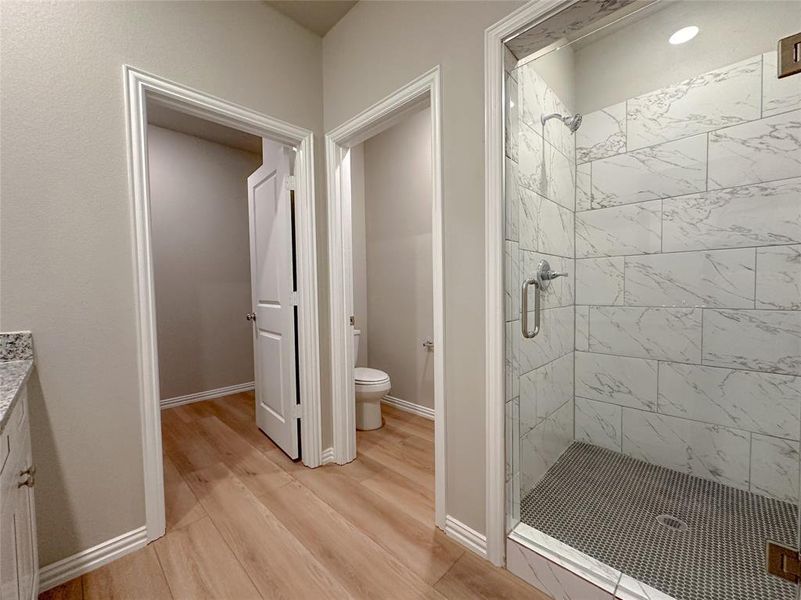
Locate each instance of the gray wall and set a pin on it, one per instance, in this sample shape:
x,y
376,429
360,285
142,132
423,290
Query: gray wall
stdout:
x,y
409,38
397,190
201,251
67,250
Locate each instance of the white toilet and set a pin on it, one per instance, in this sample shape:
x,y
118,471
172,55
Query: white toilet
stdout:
x,y
371,385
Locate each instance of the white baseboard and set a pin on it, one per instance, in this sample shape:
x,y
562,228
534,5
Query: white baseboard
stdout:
x,y
410,407
467,537
92,558
327,456
208,394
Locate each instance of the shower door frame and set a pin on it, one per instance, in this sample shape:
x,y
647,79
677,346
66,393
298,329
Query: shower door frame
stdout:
x,y
524,18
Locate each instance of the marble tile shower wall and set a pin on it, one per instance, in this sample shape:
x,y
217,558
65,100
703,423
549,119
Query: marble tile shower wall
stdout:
x,y
540,188
688,277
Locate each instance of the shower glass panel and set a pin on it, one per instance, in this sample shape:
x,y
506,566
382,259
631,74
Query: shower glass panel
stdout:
x,y
653,422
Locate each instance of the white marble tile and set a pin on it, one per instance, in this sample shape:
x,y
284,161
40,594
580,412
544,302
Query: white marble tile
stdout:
x,y
512,432
540,447
547,576
559,136
583,186
617,379
554,340
559,177
621,230
774,467
762,402
583,565
630,589
560,291
778,277
670,169
511,364
660,333
583,328
755,215
602,133
756,152
763,340
715,99
709,451
537,97
599,280
511,201
598,423
778,95
511,280
714,278
556,229
544,390
512,117
531,160
529,205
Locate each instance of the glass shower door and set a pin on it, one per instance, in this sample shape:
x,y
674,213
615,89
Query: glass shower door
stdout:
x,y
653,422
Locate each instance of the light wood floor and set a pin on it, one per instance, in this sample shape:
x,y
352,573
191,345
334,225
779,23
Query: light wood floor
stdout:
x,y
244,521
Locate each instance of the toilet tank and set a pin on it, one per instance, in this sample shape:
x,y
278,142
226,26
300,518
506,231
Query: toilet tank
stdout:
x,y
356,334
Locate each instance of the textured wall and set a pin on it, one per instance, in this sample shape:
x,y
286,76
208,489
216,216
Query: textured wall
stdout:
x,y
377,48
67,252
201,251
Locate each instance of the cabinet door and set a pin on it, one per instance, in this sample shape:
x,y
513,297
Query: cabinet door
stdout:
x,y
8,535
24,525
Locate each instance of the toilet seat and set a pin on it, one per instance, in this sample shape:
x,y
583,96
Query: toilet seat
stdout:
x,y
367,376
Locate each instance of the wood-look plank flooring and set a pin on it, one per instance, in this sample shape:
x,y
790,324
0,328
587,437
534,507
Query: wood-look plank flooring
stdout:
x,y
244,521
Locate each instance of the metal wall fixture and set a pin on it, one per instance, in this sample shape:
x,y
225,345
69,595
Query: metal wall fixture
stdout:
x,y
541,282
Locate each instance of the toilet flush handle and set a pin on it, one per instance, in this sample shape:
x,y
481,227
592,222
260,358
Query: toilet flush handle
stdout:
x,y
428,345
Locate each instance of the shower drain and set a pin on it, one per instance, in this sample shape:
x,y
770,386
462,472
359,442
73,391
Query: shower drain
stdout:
x,y
672,522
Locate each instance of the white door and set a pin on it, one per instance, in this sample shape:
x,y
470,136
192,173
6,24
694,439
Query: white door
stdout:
x,y
272,284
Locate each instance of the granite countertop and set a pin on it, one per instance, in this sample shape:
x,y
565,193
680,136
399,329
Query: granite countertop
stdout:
x,y
13,376
16,364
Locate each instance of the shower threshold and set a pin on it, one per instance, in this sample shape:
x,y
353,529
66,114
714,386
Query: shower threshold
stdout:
x,y
638,530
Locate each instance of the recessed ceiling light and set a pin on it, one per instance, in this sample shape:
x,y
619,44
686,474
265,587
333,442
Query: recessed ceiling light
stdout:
x,y
685,34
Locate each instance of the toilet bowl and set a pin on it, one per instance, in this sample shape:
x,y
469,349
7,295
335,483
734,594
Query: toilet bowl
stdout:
x,y
371,385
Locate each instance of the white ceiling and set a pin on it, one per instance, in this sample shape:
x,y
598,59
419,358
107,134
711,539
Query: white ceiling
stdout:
x,y
162,116
318,16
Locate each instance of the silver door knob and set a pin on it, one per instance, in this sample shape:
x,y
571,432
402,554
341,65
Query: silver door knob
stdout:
x,y
250,316
428,345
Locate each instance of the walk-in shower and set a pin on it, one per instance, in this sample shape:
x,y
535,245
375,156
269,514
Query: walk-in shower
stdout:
x,y
653,392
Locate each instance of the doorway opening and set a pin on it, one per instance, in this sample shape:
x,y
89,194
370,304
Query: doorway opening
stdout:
x,y
385,248
266,219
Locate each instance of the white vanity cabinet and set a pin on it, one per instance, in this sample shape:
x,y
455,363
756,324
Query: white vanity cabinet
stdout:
x,y
18,553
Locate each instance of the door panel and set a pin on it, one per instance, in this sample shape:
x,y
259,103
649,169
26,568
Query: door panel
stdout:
x,y
273,292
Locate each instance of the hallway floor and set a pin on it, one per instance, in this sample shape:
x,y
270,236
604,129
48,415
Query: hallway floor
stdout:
x,y
243,521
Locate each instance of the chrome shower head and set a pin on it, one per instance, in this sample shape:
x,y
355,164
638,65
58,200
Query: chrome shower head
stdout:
x,y
572,122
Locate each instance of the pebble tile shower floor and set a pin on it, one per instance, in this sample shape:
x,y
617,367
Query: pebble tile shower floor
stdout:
x,y
606,505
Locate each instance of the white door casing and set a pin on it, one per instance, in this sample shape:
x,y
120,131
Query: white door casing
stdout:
x,y
422,91
272,292
141,88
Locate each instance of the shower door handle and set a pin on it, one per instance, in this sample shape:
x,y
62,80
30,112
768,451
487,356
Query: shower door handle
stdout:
x,y
524,308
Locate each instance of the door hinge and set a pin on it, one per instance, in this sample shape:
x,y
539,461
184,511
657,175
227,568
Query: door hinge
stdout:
x,y
298,412
290,182
293,298
784,562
